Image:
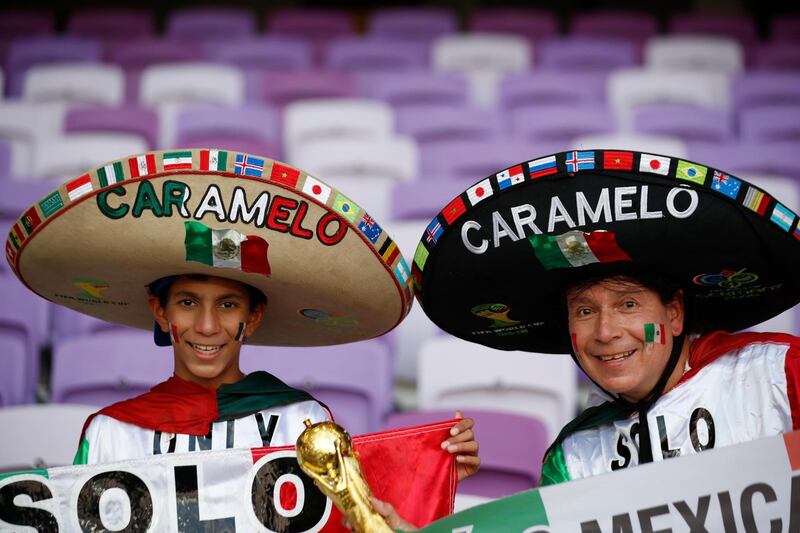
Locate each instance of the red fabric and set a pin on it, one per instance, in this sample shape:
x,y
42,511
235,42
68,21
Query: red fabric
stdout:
x,y
406,467
254,256
174,406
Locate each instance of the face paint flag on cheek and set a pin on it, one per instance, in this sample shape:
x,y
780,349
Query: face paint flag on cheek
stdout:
x,y
574,338
654,334
173,332
240,333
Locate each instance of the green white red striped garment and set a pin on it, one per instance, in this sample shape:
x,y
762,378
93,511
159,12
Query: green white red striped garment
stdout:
x,y
737,388
179,416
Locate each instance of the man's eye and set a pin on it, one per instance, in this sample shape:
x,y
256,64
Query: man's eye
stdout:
x,y
186,303
228,305
630,304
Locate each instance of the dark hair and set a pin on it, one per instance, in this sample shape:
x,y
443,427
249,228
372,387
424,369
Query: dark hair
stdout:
x,y
160,289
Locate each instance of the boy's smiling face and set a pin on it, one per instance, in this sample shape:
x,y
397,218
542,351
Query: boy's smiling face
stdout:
x,y
205,316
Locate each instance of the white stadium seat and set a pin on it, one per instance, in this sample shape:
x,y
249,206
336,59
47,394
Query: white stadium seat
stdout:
x,y
697,52
81,83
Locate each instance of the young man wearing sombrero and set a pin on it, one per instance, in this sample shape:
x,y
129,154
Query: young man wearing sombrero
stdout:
x,y
216,248
638,265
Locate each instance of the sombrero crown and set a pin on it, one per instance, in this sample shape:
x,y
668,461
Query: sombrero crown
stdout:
x,y
331,274
493,265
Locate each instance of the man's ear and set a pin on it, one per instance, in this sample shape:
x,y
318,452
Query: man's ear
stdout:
x,y
676,311
159,313
254,319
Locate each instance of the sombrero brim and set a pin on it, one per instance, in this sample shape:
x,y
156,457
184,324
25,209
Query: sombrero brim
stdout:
x,y
331,274
493,265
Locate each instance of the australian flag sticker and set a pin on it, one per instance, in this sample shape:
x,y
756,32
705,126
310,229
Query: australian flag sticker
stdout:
x,y
369,228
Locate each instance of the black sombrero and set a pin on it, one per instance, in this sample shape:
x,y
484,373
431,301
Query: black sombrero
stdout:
x,y
492,266
331,274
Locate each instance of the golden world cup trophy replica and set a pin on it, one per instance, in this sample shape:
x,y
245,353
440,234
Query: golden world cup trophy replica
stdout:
x,y
325,452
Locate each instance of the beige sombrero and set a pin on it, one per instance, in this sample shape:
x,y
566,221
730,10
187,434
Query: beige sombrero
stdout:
x,y
330,272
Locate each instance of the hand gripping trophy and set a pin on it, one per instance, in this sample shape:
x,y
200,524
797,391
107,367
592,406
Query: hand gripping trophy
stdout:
x,y
325,452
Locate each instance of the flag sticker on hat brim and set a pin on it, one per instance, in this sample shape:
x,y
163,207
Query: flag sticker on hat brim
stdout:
x,y
177,160
576,248
725,184
79,187
433,231
509,178
316,189
214,160
421,256
142,165
389,251
618,160
345,207
401,272
369,228
693,172
654,164
480,191
782,216
51,203
110,174
579,161
756,200
14,239
543,166
248,165
226,248
30,220
283,174
454,209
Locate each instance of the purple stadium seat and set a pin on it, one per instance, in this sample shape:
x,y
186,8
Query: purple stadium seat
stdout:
x,y
636,26
763,89
533,24
318,25
281,88
251,129
687,123
512,449
112,24
551,88
424,23
375,54
354,380
222,23
328,23
68,323
474,160
586,54
24,53
5,160
25,316
134,56
423,199
267,54
785,27
768,124
778,56
739,27
561,123
280,53
414,87
107,367
429,124
771,158
129,119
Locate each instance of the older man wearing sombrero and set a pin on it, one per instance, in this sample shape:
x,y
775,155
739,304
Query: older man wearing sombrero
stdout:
x,y
640,266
